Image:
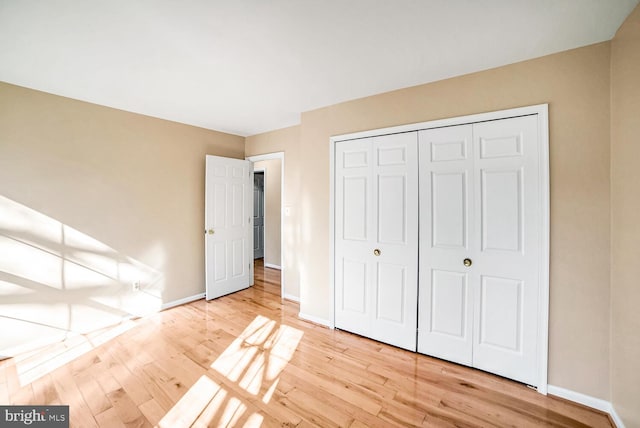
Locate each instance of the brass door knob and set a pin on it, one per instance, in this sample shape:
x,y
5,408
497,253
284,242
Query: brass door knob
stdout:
x,y
211,231
467,262
377,252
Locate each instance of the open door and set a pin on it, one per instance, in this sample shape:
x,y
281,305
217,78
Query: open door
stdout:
x,y
228,225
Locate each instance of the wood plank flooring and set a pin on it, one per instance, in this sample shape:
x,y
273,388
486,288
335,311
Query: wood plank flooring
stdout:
x,y
247,360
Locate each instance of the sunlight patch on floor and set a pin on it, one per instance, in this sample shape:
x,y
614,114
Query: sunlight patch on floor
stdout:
x,y
200,396
257,357
253,362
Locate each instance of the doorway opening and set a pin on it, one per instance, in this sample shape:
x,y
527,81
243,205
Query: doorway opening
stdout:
x,y
268,215
258,214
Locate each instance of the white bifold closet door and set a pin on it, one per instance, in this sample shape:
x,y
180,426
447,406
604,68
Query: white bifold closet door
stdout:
x,y
376,238
479,245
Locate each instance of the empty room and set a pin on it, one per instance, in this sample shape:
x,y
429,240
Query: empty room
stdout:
x,y
319,213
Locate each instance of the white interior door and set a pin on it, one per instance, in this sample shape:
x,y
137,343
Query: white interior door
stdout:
x,y
478,201
508,239
228,225
354,240
376,242
258,215
445,312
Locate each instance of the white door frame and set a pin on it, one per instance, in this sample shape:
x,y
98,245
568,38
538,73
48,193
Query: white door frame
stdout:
x,y
269,156
542,110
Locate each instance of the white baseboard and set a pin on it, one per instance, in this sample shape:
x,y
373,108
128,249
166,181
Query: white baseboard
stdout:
x,y
578,397
269,265
182,301
616,418
587,400
314,319
291,297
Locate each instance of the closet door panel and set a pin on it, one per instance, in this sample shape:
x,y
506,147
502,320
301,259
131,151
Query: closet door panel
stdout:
x,y
500,318
353,235
448,309
449,209
395,283
501,200
354,296
376,243
390,289
445,310
354,214
392,205
507,260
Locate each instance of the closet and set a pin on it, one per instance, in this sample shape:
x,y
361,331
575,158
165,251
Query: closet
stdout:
x,y
440,239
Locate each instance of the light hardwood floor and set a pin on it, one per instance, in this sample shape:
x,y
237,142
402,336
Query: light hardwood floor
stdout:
x,y
247,360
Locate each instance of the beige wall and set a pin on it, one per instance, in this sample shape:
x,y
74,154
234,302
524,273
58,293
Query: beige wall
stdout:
x,y
576,86
625,225
272,209
285,140
97,198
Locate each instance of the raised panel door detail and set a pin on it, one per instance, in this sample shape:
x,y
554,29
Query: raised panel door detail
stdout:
x,y
220,171
354,208
449,209
219,213
501,313
238,172
501,199
220,261
388,156
354,159
238,259
354,297
449,303
390,290
500,147
237,202
448,151
392,209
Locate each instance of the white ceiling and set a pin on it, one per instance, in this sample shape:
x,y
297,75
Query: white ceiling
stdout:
x,y
249,66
